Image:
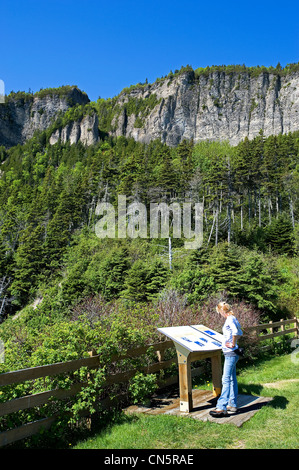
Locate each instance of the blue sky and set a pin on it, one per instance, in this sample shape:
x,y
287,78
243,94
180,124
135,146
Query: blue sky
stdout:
x,y
104,46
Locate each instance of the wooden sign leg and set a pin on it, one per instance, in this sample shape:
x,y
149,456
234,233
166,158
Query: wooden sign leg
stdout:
x,y
184,363
216,374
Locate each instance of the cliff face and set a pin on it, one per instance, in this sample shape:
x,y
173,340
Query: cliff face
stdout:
x,y
216,107
84,130
20,117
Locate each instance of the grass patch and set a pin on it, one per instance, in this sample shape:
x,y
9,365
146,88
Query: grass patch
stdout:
x,y
274,426
162,432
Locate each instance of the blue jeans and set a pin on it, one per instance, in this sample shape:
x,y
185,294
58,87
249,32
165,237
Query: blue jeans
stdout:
x,y
229,391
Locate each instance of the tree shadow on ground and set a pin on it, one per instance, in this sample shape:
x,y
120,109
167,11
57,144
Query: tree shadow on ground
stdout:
x,y
278,401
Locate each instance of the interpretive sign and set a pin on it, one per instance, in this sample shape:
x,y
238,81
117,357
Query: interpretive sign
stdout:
x,y
194,343
194,337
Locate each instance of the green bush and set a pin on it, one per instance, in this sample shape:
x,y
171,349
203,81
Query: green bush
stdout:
x,y
108,332
141,387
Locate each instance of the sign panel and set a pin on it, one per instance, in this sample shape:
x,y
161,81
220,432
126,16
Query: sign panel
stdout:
x,y
208,331
194,338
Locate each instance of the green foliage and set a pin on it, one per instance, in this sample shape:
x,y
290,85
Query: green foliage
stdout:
x,y
62,91
240,273
29,263
110,295
49,194
19,96
280,236
112,273
287,294
52,340
109,110
273,427
142,386
145,280
259,286
141,107
253,71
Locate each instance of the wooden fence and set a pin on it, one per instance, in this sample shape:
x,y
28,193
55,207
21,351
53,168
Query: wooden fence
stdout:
x,y
263,332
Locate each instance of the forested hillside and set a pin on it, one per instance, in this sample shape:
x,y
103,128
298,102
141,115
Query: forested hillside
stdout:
x,y
49,196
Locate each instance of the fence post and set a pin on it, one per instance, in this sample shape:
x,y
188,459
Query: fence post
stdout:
x,y
282,325
91,353
296,325
160,355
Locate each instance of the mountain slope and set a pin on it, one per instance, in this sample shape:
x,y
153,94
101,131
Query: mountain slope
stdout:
x,y
209,106
217,103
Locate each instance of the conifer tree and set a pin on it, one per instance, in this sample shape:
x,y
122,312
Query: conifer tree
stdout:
x,y
166,175
112,273
258,161
184,152
6,273
3,256
136,281
58,236
280,236
144,280
199,257
226,269
29,263
156,278
258,285
133,174
243,169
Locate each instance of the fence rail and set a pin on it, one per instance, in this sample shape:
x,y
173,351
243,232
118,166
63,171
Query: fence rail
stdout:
x,y
38,399
278,325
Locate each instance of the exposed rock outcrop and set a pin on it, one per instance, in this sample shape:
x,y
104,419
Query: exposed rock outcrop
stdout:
x,y
216,107
210,106
85,130
21,116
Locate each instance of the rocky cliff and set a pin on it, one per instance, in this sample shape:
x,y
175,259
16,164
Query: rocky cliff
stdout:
x,y
214,105
84,130
218,106
22,114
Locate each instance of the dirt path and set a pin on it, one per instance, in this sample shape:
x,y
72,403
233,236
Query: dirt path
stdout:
x,y
279,384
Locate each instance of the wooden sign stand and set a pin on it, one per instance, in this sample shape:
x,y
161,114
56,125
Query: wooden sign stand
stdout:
x,y
195,343
185,357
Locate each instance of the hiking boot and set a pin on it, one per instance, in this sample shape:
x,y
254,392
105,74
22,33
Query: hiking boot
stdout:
x,y
218,413
232,409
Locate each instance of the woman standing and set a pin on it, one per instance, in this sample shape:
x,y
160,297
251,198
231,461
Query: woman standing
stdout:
x,y
227,401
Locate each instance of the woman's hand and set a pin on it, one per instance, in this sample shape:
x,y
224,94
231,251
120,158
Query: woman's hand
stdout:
x,y
232,344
